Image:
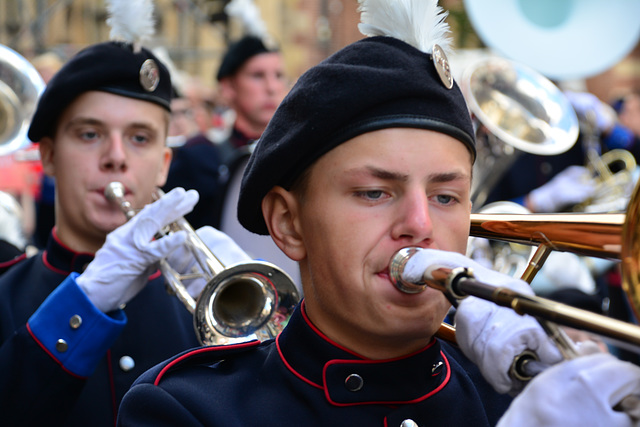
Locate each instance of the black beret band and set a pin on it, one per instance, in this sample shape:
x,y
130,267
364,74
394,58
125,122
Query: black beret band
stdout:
x,y
109,67
373,84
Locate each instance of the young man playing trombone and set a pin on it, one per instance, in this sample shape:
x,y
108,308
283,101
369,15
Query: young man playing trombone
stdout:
x,y
75,333
370,152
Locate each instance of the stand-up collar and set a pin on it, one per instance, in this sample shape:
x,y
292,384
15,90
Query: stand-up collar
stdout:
x,y
63,259
349,379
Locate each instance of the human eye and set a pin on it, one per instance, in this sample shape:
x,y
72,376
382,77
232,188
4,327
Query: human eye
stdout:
x,y
445,199
140,139
88,134
371,195
258,75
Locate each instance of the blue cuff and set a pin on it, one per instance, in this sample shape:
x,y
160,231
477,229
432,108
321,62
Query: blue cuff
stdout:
x,y
73,330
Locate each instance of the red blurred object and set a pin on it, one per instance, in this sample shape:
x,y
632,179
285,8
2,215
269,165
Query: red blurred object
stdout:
x,y
20,171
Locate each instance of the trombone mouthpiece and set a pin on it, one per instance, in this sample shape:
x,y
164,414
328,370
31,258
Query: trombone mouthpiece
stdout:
x,y
396,269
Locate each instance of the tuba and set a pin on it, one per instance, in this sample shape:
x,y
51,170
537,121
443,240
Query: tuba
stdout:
x,y
20,87
515,110
239,303
554,38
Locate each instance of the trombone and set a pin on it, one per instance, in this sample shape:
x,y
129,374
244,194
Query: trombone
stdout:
x,y
604,235
239,303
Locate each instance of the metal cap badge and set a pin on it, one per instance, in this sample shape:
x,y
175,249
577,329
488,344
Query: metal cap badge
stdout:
x,y
149,75
441,63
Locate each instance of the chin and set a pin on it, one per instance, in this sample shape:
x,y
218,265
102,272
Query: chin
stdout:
x,y
108,223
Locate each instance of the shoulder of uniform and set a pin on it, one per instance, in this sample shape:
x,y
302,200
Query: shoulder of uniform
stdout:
x,y
5,265
200,356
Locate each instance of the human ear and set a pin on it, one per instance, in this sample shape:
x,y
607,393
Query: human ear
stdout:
x,y
163,172
280,209
227,90
46,148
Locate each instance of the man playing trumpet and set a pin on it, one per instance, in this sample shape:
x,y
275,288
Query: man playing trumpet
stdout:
x,y
74,332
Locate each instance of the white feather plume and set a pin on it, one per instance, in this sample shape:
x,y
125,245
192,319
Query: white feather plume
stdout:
x,y
249,15
130,20
420,23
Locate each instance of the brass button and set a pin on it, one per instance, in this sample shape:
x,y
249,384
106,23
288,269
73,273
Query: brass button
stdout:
x,y
354,382
75,321
62,345
127,363
408,423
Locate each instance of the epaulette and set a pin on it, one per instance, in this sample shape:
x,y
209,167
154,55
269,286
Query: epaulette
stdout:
x,y
205,355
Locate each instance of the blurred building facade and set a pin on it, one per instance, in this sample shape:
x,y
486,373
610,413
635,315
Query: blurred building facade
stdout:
x,y
196,32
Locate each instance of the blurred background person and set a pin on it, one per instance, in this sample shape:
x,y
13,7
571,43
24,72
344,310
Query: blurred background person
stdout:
x,y
183,124
251,81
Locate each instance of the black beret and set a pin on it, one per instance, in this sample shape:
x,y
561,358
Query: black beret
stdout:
x,y
109,67
372,84
239,52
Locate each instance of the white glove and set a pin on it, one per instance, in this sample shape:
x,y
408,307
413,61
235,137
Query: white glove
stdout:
x,y
122,266
222,246
585,102
563,270
489,335
578,392
569,187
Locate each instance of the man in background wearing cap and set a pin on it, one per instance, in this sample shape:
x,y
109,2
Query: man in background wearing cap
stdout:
x,y
252,83
75,333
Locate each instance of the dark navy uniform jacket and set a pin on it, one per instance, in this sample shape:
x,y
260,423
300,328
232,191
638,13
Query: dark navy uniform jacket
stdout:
x,y
206,167
9,255
81,381
304,379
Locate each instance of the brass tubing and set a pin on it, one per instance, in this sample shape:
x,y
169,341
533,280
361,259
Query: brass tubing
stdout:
x,y
595,234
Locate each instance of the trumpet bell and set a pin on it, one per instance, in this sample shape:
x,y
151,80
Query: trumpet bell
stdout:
x,y
243,300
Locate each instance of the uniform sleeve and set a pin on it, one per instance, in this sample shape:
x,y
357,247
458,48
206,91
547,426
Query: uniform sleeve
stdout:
x,y
149,405
45,363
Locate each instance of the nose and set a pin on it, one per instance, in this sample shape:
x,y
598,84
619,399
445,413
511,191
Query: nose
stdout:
x,y
413,223
114,158
274,83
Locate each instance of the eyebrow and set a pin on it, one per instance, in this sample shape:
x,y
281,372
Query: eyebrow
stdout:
x,y
82,121
97,122
401,177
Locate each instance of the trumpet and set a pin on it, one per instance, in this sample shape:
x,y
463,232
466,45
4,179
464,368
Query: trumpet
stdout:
x,y
239,303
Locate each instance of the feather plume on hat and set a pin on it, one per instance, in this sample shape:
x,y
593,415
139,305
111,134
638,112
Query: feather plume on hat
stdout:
x,y
249,15
131,21
419,23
